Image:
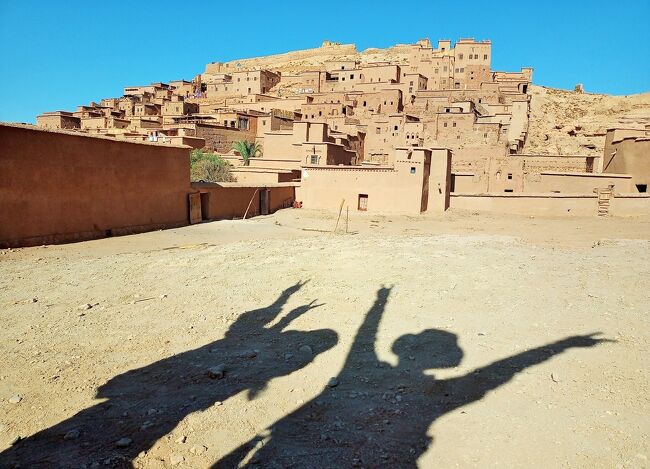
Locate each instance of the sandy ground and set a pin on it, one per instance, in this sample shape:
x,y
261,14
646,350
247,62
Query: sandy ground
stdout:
x,y
454,341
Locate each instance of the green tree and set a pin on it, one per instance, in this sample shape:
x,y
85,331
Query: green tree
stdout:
x,y
247,150
209,167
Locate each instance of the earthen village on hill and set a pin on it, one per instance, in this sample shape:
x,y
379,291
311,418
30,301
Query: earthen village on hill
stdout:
x,y
409,129
389,258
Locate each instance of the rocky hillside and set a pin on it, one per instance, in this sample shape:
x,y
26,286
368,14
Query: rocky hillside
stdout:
x,y
567,122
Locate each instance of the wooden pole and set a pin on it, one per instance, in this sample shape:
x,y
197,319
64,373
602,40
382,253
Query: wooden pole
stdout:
x,y
249,203
347,218
337,220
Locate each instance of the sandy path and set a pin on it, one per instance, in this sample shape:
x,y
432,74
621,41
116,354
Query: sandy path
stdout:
x,y
157,313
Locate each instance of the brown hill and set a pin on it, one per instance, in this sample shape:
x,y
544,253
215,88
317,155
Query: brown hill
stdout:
x,y
567,122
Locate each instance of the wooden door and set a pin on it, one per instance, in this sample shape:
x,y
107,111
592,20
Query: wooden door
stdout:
x,y
195,208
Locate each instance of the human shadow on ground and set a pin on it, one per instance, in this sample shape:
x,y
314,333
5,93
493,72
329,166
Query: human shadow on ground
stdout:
x,y
378,415
146,404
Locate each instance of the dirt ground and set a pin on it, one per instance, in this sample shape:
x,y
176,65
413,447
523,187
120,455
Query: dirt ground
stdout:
x,y
458,340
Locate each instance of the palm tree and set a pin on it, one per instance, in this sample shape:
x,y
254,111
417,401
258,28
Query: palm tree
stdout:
x,y
247,150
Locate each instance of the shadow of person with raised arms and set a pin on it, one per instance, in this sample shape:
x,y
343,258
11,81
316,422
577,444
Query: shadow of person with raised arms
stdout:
x,y
378,415
145,404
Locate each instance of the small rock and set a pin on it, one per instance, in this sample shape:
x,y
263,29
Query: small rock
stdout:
x,y
123,442
85,306
72,435
15,440
306,349
152,412
181,439
555,377
217,372
163,296
15,399
333,382
198,449
34,300
218,403
288,356
175,459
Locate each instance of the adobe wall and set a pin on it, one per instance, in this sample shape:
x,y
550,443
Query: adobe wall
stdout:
x,y
220,139
325,187
61,187
630,205
528,204
439,180
632,157
252,175
231,202
578,182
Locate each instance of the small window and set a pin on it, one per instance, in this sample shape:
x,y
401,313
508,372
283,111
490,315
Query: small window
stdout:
x,y
351,76
509,175
453,124
363,202
412,169
445,124
508,190
460,56
395,128
642,187
485,57
313,159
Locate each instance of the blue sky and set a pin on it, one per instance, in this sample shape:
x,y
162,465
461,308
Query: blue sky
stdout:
x,y
60,54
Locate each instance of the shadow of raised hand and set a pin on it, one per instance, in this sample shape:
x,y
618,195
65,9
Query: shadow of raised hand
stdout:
x,y
379,415
147,403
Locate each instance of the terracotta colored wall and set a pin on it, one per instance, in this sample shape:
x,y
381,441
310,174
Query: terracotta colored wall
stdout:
x,y
577,183
527,204
628,205
439,180
632,157
58,187
227,203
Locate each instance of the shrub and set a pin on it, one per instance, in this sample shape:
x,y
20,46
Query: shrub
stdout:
x,y
209,167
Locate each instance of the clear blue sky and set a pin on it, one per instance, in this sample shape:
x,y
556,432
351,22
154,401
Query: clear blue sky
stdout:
x,y
59,54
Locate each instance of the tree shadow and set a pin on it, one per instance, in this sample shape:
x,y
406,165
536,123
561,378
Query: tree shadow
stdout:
x,y
379,415
146,404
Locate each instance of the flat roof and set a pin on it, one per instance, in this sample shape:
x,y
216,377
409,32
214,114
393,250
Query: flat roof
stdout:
x,y
79,133
244,184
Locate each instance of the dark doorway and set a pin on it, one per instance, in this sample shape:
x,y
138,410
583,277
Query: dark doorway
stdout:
x,y
265,201
205,206
642,187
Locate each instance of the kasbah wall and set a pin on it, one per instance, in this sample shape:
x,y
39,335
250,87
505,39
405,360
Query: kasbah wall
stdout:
x,y
60,186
